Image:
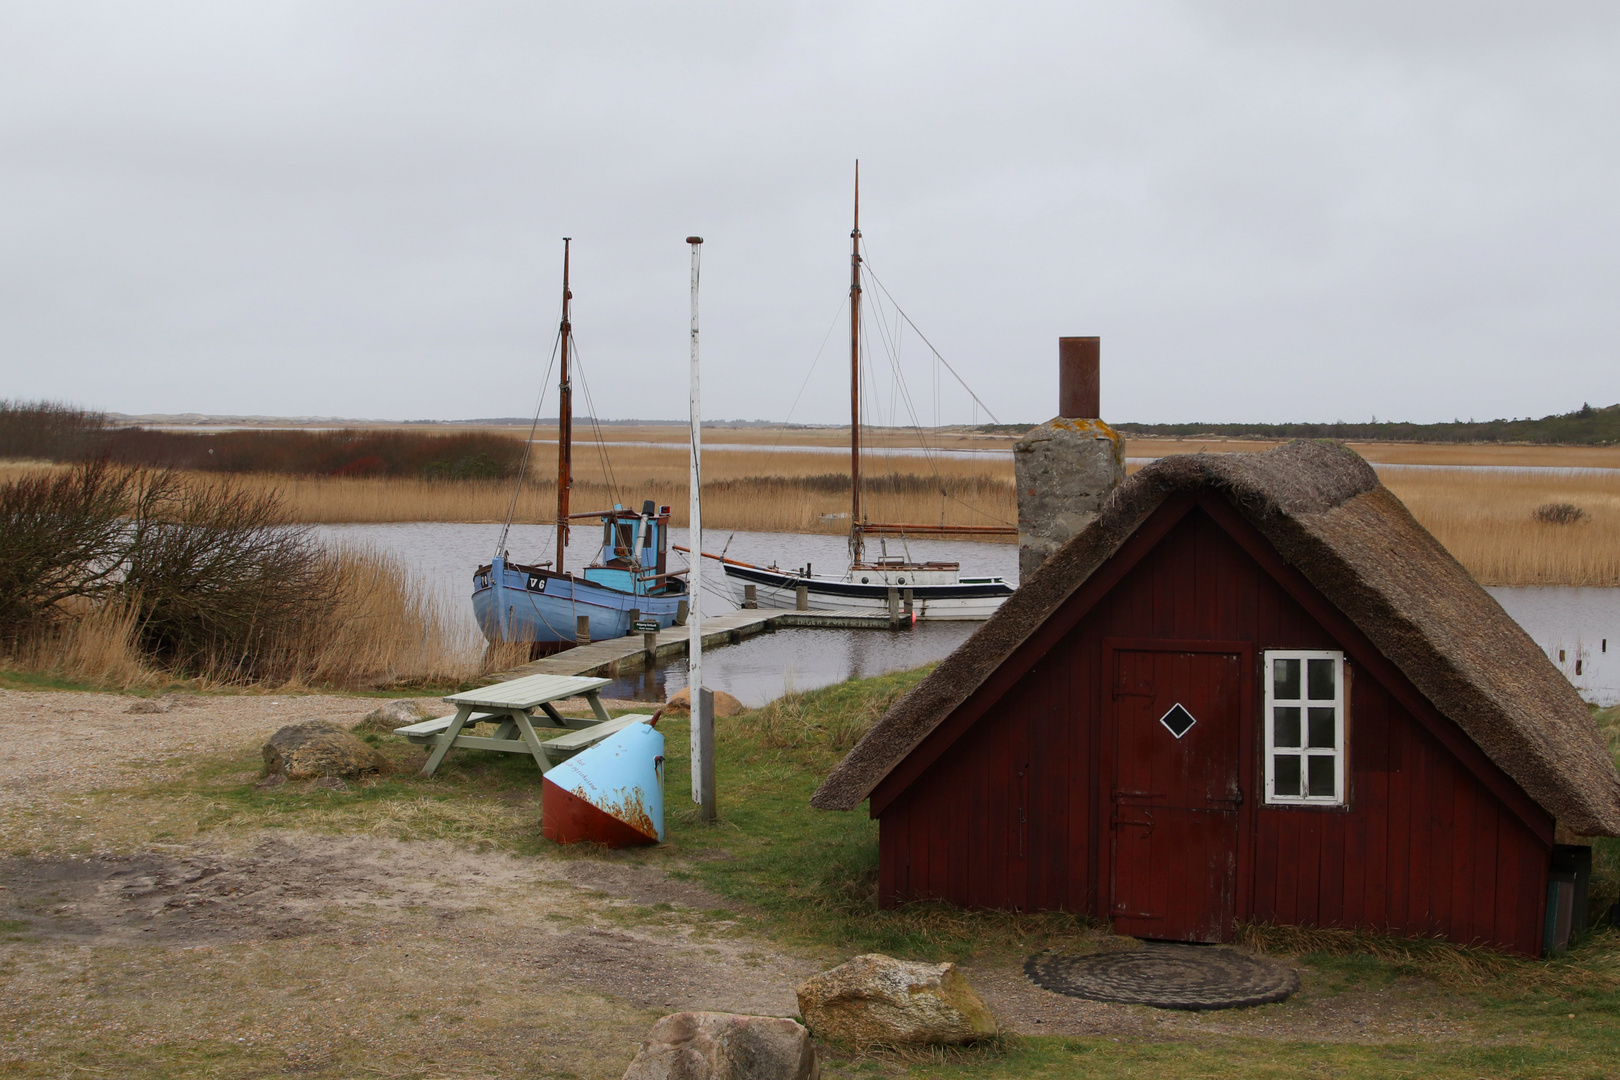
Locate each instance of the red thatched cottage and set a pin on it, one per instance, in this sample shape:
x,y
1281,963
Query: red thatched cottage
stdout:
x,y
1254,688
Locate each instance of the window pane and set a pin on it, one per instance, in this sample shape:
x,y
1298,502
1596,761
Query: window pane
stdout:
x,y
1321,680
1285,726
1287,775
1321,775
1285,680
1321,729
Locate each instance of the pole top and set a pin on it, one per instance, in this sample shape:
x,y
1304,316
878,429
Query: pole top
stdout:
x,y
694,239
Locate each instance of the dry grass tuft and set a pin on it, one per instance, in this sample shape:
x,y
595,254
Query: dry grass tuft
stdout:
x,y
1558,513
1594,965
96,647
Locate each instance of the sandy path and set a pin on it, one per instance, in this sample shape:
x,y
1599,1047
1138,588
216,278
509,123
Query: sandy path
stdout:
x,y
62,742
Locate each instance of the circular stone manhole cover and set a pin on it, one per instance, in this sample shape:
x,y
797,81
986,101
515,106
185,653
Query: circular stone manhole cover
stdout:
x,y
1192,977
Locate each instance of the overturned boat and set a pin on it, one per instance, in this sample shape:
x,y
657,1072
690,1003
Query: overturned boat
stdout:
x,y
611,794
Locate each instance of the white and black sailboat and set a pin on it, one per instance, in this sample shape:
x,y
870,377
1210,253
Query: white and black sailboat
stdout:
x,y
938,590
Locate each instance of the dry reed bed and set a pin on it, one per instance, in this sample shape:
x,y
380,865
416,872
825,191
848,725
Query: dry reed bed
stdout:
x,y
1483,517
385,630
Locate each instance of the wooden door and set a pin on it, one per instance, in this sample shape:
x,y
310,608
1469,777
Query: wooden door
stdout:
x,y
1175,793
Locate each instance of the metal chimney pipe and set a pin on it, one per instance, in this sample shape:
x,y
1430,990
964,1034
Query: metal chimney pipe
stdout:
x,y
1079,393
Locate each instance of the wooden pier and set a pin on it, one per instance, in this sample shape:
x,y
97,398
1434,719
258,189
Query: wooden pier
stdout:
x,y
614,655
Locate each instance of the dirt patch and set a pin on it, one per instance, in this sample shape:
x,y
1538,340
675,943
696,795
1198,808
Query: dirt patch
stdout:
x,y
645,885
62,742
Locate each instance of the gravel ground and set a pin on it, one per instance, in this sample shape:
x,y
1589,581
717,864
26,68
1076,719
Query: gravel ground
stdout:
x,y
430,949
60,742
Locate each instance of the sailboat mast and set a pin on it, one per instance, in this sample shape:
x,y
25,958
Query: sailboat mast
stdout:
x,y
855,543
565,420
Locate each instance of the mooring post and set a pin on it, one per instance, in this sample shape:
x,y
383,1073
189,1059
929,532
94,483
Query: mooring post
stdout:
x,y
635,617
750,596
649,642
894,604
681,610
908,601
801,598
582,629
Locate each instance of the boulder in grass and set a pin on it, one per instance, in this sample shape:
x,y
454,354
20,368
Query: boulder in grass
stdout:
x,y
724,703
395,714
725,1046
876,1000
316,749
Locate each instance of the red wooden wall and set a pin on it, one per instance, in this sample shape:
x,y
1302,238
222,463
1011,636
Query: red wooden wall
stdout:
x,y
1013,811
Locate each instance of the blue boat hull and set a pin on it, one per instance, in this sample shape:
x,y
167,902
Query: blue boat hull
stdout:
x,y
523,606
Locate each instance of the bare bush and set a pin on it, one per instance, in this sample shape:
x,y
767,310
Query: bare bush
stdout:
x,y
225,587
1558,513
49,431
62,538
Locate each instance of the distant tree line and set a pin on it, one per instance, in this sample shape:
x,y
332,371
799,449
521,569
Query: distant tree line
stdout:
x,y
48,431
1586,426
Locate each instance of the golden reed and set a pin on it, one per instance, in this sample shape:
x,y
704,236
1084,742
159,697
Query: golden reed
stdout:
x,y
1484,516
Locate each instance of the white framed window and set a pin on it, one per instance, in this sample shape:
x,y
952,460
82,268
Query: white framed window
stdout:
x,y
1304,721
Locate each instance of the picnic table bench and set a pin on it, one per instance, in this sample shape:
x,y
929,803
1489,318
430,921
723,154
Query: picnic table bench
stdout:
x,y
511,706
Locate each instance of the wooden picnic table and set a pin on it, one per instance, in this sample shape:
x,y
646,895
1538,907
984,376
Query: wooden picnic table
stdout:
x,y
510,706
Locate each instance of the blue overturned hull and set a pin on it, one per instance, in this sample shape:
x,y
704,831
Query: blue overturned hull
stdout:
x,y
529,605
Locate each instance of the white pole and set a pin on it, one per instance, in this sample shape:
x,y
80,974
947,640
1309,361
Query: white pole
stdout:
x,y
702,716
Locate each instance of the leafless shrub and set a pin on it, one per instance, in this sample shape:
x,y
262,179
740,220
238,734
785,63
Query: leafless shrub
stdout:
x,y
50,431
225,587
1558,513
62,538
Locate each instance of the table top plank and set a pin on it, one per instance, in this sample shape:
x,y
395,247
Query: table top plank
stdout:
x,y
528,692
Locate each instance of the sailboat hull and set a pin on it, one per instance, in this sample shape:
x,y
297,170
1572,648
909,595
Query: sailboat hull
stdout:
x,y
965,600
512,605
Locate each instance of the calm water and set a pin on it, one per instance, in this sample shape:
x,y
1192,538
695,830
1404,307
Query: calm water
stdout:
x,y
755,671
1578,628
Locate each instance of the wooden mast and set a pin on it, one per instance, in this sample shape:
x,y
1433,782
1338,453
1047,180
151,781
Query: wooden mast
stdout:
x,y
565,421
855,542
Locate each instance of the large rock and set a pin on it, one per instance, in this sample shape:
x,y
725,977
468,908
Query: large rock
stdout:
x,y
878,1000
724,703
317,748
395,714
725,1046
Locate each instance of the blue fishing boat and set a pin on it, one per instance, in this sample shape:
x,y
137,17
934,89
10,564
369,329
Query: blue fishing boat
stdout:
x,y
627,581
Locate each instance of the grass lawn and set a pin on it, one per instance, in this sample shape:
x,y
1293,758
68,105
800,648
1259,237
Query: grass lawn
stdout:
x,y
804,880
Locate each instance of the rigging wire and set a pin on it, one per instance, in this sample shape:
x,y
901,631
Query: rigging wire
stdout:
x,y
842,306
928,451
930,345
602,456
528,446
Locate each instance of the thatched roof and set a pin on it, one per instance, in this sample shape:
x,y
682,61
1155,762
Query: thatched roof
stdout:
x,y
1324,510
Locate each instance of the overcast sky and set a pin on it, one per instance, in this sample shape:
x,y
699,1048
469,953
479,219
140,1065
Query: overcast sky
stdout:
x,y
1268,210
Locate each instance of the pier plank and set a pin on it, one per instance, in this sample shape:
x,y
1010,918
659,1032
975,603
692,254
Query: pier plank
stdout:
x,y
629,653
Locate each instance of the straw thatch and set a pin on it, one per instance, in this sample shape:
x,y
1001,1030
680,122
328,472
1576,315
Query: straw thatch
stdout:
x,y
1324,510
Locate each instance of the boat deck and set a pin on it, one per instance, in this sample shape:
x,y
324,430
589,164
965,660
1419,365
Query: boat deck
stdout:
x,y
629,653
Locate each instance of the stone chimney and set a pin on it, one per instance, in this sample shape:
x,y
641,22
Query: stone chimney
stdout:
x,y
1068,465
